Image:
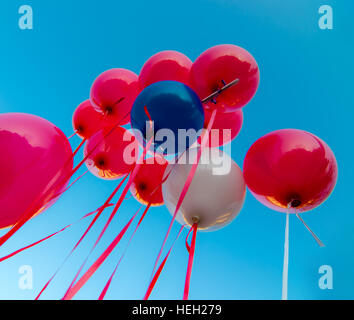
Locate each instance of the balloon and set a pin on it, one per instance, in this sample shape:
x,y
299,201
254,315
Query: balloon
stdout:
x,y
290,168
230,122
111,154
172,106
147,184
33,152
87,120
113,93
220,65
216,194
165,65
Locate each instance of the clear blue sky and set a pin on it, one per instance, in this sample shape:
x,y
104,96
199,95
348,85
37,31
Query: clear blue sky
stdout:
x,y
306,83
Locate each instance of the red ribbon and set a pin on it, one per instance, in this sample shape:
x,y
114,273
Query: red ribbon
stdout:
x,y
191,251
106,287
105,205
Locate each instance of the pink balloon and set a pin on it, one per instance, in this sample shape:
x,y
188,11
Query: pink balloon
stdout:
x,y
165,65
33,152
87,120
225,128
111,154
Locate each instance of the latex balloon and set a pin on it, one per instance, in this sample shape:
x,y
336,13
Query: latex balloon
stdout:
x,y
147,184
165,65
225,128
111,154
87,120
216,194
290,168
33,152
174,109
220,65
114,92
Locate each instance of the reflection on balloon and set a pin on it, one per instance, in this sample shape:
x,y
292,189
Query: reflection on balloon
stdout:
x,y
165,65
216,194
35,153
111,153
290,168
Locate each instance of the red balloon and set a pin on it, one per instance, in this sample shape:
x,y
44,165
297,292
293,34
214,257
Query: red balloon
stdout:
x,y
87,120
220,65
111,153
33,152
147,184
230,122
165,65
114,92
290,168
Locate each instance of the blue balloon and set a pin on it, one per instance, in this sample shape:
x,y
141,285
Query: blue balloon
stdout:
x,y
174,109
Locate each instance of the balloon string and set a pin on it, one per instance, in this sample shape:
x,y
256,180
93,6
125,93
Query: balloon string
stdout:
x,y
286,260
187,244
73,135
94,267
79,147
105,205
37,204
48,237
117,206
187,185
190,262
319,242
160,268
69,187
106,287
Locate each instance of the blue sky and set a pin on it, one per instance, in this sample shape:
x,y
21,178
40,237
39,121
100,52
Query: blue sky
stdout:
x,y
306,83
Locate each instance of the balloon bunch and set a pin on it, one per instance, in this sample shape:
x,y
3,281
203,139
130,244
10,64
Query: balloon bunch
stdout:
x,y
177,109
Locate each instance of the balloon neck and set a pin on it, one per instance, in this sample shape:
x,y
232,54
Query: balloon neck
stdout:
x,y
195,220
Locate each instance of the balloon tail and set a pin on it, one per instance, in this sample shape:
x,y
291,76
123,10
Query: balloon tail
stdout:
x,y
191,251
70,294
286,260
319,242
79,147
186,186
160,268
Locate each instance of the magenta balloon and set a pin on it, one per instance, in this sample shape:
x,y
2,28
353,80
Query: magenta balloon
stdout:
x,y
34,154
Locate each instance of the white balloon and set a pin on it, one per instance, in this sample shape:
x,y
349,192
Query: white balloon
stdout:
x,y
216,194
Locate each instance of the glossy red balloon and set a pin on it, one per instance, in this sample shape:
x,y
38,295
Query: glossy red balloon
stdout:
x,y
87,120
147,184
220,65
290,167
114,92
111,154
225,128
165,65
33,152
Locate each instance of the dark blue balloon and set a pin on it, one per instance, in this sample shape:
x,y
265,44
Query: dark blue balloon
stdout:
x,y
171,105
